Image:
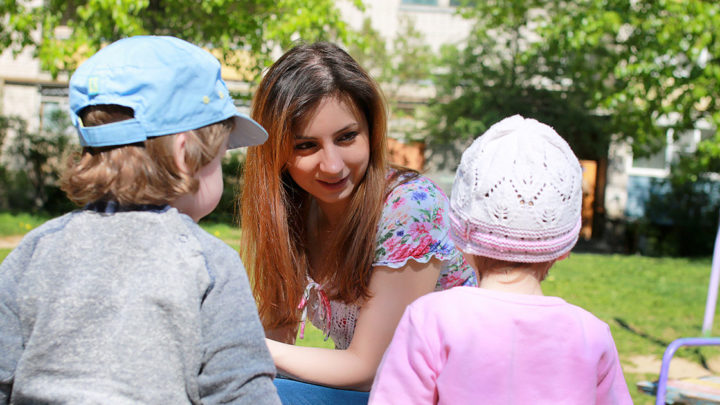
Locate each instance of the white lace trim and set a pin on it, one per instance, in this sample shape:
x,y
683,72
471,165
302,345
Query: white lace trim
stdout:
x,y
424,259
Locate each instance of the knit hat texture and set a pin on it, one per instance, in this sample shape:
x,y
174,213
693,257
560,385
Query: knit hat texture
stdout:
x,y
517,194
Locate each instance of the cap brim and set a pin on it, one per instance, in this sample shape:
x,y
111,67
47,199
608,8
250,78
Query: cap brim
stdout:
x,y
247,132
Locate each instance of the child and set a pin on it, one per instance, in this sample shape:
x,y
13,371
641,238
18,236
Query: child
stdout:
x,y
515,210
128,300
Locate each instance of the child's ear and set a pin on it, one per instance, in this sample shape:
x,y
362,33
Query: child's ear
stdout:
x,y
179,152
563,257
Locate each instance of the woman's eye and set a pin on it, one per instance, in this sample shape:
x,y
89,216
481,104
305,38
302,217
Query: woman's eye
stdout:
x,y
304,145
348,136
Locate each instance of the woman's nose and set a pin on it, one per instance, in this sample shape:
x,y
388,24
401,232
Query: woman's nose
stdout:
x,y
331,161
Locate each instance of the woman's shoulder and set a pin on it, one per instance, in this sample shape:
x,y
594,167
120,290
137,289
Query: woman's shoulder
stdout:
x,y
415,187
413,223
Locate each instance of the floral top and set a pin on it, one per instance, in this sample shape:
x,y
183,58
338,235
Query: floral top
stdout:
x,y
413,225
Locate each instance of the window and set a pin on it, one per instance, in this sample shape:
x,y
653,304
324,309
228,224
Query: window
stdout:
x,y
54,110
659,164
421,2
655,161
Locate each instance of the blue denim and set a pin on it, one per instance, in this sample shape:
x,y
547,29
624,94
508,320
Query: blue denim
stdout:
x,y
293,392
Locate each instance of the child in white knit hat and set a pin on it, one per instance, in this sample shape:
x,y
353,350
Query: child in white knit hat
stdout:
x,y
515,210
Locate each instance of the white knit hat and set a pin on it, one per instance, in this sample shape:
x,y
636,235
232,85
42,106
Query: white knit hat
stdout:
x,y
517,194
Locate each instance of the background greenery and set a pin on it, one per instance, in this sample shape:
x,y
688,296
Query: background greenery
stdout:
x,y
596,70
648,302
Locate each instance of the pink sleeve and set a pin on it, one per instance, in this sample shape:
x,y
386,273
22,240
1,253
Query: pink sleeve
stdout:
x,y
408,369
612,388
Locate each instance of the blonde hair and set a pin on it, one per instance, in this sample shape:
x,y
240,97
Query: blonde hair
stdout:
x,y
139,173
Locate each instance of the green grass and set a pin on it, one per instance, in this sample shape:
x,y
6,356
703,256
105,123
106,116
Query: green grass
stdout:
x,y
648,302
19,224
229,233
313,338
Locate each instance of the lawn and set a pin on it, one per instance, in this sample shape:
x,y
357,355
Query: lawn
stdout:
x,y
648,302
12,224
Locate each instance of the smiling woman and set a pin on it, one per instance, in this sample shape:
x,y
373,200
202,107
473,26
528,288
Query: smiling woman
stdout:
x,y
331,158
331,231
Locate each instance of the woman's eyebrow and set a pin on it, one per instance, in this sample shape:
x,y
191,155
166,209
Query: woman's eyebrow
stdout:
x,y
343,129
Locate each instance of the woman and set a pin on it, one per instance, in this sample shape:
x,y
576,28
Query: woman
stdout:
x,y
330,231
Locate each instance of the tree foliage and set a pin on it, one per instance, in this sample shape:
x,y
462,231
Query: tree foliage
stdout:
x,y
590,68
35,160
497,74
401,65
653,64
63,33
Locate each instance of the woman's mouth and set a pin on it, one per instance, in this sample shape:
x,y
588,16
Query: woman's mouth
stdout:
x,y
334,185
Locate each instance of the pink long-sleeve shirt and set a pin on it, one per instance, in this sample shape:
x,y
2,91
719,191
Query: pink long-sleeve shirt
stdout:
x,y
471,345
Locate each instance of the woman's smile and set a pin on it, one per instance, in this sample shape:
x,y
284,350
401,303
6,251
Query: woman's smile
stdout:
x,y
335,184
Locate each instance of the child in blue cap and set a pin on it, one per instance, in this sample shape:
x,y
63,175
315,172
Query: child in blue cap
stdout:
x,y
128,300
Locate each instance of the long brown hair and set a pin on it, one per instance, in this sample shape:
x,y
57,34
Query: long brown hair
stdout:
x,y
274,208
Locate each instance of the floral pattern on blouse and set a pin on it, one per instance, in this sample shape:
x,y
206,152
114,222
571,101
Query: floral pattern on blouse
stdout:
x,y
414,225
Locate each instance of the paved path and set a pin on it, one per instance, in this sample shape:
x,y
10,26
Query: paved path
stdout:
x,y
9,242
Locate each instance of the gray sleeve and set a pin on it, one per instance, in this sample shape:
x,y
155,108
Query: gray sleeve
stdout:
x,y
237,367
11,341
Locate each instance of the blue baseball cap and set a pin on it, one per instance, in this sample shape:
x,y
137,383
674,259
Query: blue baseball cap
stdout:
x,y
170,84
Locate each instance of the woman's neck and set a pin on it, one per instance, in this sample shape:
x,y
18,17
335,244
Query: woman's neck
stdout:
x,y
512,280
320,231
328,216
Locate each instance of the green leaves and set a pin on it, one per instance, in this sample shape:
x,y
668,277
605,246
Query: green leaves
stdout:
x,y
590,68
64,33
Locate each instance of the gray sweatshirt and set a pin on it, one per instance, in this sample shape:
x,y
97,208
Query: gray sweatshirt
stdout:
x,y
129,307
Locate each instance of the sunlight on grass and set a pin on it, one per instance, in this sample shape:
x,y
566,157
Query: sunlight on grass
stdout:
x,y
228,233
648,303
3,254
314,338
20,224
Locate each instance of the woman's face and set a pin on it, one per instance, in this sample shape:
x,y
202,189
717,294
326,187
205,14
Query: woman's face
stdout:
x,y
331,154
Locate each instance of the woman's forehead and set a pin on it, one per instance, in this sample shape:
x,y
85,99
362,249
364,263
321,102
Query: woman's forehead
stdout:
x,y
344,102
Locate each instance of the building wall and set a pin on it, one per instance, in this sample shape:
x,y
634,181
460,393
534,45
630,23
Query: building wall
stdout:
x,y
437,22
19,95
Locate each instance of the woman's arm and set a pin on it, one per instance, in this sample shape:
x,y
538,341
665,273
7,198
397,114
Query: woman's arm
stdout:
x,y
392,290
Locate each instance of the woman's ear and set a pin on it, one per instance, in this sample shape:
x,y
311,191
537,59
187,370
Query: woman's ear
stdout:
x,y
179,152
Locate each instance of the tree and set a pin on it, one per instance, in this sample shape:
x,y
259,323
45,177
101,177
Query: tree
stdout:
x,y
498,73
37,157
590,68
401,65
652,64
63,33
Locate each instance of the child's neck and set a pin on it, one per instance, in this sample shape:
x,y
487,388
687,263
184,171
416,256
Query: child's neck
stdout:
x,y
516,280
